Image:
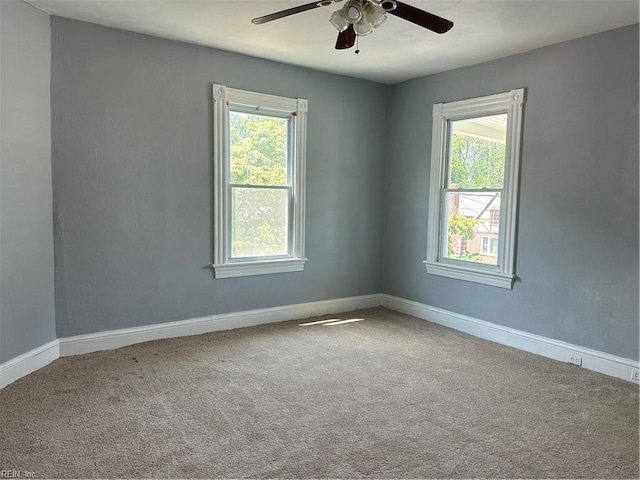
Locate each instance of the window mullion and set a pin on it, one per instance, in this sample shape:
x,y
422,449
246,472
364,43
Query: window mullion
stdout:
x,y
251,185
473,190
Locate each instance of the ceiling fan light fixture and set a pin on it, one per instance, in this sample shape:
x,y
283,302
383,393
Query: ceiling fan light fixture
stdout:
x,y
388,5
363,16
375,15
338,21
363,27
352,11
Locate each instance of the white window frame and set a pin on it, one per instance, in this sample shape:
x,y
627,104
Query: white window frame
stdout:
x,y
224,100
501,275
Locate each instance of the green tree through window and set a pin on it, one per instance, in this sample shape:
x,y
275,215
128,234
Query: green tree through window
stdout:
x,y
258,158
258,149
476,162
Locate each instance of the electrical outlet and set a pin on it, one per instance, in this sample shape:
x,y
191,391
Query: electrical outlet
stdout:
x,y
574,358
635,375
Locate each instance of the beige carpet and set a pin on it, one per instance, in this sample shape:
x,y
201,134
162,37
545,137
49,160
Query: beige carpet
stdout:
x,y
390,396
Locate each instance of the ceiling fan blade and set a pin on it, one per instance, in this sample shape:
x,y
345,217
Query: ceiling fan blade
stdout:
x,y
420,17
286,13
346,39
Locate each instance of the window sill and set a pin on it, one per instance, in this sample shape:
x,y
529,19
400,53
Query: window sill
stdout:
x,y
494,279
245,269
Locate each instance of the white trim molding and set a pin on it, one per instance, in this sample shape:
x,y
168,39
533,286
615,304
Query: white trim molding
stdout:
x,y
437,263
94,342
458,272
37,358
228,270
28,362
594,360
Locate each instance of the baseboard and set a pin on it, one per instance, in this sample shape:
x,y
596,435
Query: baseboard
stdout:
x,y
94,342
39,357
28,362
595,360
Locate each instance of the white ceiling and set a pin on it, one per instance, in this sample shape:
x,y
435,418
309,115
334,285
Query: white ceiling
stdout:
x,y
397,51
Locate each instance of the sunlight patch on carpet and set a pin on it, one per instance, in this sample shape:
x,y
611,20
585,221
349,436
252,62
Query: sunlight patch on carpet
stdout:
x,y
331,321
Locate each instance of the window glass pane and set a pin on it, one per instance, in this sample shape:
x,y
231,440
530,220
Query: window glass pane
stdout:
x,y
258,149
489,245
493,246
476,152
471,235
259,221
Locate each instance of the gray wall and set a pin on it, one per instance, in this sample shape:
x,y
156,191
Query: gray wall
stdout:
x,y
27,313
132,180
577,261
132,177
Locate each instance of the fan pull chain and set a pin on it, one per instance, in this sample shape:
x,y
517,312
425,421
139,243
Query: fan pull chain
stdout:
x,y
357,45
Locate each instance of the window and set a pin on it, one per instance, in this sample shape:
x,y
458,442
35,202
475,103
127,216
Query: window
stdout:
x,y
494,217
474,188
489,245
259,179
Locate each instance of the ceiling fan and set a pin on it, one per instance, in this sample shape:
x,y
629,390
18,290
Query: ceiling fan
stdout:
x,y
360,17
